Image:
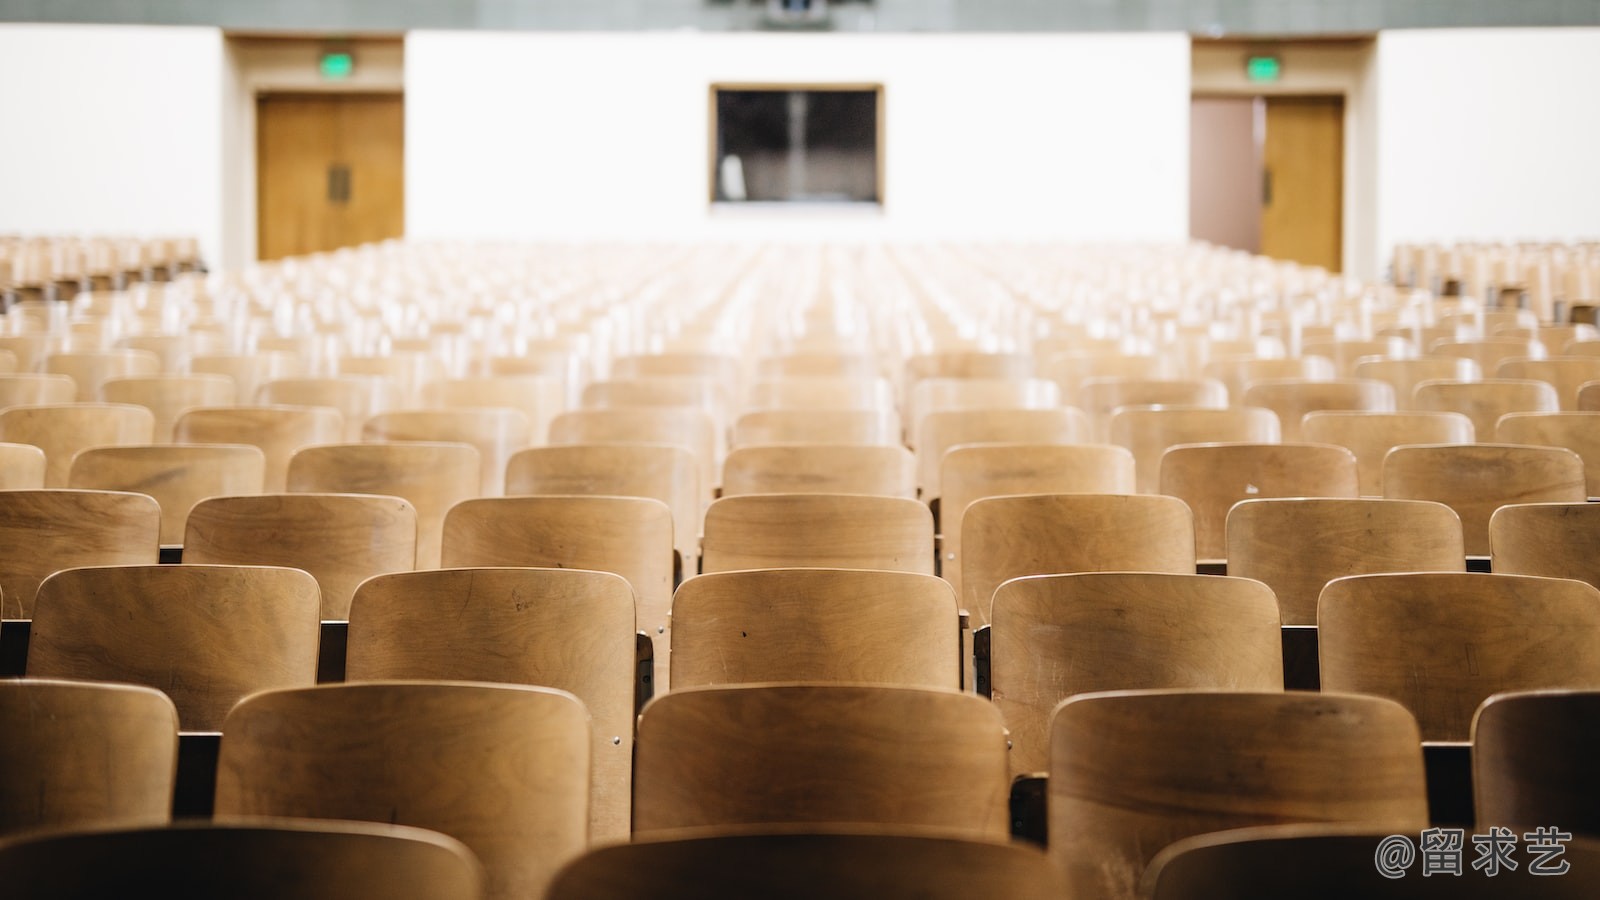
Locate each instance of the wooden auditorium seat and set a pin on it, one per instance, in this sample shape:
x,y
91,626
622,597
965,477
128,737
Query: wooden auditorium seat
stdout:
x,y
820,469
823,426
1564,373
495,432
1371,435
693,430
568,629
1149,431
278,431
45,531
539,398
248,371
1292,398
21,467
169,396
1237,373
205,635
1558,540
36,389
1484,402
61,430
177,476
1100,398
847,531
356,397
1533,758
1405,374
91,369
1476,479
1576,431
938,432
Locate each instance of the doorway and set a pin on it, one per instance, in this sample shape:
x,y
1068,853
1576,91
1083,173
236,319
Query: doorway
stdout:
x,y
330,171
1267,176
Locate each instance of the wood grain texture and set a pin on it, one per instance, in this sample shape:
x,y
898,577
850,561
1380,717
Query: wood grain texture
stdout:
x,y
1297,545
1576,431
1059,635
1302,216
45,531
36,389
821,754
694,430
1533,759
90,370
1147,432
844,864
1237,372
61,430
1476,479
974,471
341,539
1484,402
262,860
1333,862
1055,534
627,536
1405,374
168,396
279,431
1371,435
843,531
823,426
560,628
204,635
658,471
1211,478
820,469
819,625
432,477
1133,771
1564,373
82,755
1292,398
1557,540
355,397
495,432
177,476
504,769
1441,643
21,467
938,432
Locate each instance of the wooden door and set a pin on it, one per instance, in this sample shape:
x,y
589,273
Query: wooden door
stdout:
x,y
1303,182
329,171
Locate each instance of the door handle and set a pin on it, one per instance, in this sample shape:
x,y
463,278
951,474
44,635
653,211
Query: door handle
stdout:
x,y
339,183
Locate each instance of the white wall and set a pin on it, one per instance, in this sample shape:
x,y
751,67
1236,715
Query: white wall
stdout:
x,y
1488,135
112,130
520,135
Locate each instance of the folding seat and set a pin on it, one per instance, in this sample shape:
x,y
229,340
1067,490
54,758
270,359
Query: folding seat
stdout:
x,y
1559,540
173,350
1211,478
205,635
1488,353
720,368
821,392
938,432
356,397
1099,398
847,531
82,755
278,431
61,430
248,370
1070,370
694,430
1533,758
90,370
809,364
177,476
818,625
943,395
36,389
432,477
1564,373
1405,374
502,768
568,629
1484,402
820,469
267,861
1238,372
494,432
540,398
1576,431
21,467
1291,399
1476,479
1331,862
45,531
1049,534
1148,431
404,373
666,392
169,396
1133,771
966,364
823,426
1442,642
1345,353
972,472
806,755
1297,545
1371,435
340,539
847,864
1054,636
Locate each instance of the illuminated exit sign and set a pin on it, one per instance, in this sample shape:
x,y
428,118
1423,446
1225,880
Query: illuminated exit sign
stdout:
x,y
336,65
1263,68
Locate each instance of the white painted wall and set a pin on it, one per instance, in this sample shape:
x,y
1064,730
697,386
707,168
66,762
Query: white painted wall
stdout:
x,y
112,130
521,135
1488,135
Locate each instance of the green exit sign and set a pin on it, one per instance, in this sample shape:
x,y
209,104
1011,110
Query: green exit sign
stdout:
x,y
336,65
1263,68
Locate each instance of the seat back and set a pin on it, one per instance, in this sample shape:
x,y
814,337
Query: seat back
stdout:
x,y
1148,431
1533,760
495,432
938,432
1484,402
1576,431
1292,398
61,430
1476,479
45,531
845,531
168,396
820,469
177,476
1371,435
1558,540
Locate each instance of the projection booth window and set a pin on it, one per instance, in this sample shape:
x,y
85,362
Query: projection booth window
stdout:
x,y
799,144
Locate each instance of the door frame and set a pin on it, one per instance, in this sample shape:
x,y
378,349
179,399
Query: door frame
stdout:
x,y
255,65
1345,67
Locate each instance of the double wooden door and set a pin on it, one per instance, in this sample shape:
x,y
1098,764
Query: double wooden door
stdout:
x,y
330,171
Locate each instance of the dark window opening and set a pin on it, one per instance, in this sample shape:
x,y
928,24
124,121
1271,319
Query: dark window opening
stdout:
x,y
803,145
